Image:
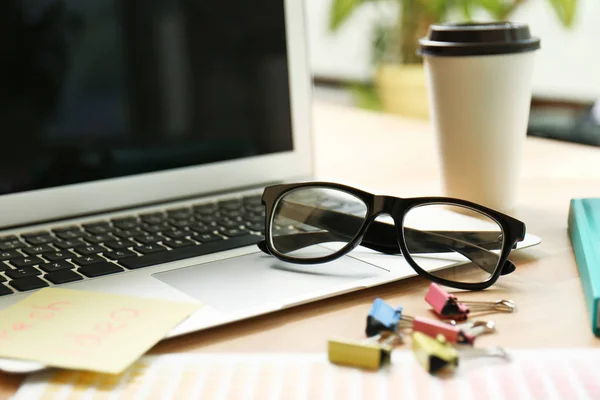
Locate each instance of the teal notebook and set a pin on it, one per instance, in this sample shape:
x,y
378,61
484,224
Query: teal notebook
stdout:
x,y
584,230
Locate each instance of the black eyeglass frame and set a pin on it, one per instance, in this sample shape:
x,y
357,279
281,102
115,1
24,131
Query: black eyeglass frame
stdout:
x,y
397,207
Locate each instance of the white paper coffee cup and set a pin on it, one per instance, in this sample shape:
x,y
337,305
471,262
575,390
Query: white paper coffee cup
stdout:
x,y
479,84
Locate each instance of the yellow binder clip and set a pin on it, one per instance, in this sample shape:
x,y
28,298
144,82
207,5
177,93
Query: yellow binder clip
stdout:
x,y
434,354
371,353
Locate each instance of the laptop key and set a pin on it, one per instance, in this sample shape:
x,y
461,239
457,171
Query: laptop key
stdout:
x,y
126,223
100,229
258,227
152,218
71,234
4,291
127,233
147,239
34,250
22,272
2,278
156,228
12,245
9,254
64,276
207,219
234,232
150,248
203,228
30,283
119,254
59,255
188,252
181,223
90,249
252,200
230,224
8,238
42,239
100,238
56,266
176,234
119,244
87,260
69,244
177,243
99,269
181,215
4,267
207,237
26,261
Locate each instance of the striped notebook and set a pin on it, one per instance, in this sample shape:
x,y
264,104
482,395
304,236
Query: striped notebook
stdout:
x,y
551,374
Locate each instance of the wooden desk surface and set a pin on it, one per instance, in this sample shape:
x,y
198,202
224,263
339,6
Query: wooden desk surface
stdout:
x,y
395,156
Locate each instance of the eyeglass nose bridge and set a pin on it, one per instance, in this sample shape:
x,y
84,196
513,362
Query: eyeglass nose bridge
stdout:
x,y
384,204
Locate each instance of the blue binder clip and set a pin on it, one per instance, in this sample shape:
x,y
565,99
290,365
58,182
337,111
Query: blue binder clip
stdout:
x,y
382,317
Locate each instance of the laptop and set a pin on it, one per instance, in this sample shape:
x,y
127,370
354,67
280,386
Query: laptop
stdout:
x,y
139,136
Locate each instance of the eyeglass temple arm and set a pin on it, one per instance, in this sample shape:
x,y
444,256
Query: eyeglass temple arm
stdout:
x,y
485,259
382,237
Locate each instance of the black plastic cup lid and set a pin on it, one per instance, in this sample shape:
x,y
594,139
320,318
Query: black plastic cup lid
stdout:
x,y
477,39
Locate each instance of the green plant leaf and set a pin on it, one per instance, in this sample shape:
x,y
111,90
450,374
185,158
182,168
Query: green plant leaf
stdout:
x,y
565,11
340,11
365,96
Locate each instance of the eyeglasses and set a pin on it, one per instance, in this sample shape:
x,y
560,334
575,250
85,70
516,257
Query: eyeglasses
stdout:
x,y
318,222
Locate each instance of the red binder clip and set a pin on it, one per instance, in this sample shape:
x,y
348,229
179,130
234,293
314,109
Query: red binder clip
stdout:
x,y
446,305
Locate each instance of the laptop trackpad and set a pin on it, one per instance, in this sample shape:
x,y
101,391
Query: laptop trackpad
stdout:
x,y
255,279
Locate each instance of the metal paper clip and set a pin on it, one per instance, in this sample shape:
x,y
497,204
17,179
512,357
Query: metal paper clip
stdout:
x,y
447,305
382,317
471,330
371,353
498,305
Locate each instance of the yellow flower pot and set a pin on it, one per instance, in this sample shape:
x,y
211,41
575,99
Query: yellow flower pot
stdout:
x,y
402,90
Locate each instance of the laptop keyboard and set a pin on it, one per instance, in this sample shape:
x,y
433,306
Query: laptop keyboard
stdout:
x,y
76,252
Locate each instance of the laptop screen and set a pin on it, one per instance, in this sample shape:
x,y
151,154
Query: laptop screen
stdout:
x,y
99,89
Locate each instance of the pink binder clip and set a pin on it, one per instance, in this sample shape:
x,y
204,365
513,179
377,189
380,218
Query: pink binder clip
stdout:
x,y
433,328
446,305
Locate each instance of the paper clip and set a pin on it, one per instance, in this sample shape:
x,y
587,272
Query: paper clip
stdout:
x,y
382,317
447,305
474,329
371,353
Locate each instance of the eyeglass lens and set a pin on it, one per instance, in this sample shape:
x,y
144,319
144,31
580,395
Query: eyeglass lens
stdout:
x,y
438,233
306,222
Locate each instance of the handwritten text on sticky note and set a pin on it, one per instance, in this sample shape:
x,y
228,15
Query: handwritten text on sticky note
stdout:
x,y
86,330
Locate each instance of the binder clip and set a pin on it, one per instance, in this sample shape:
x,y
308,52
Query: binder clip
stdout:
x,y
432,328
385,318
436,354
382,318
446,305
371,353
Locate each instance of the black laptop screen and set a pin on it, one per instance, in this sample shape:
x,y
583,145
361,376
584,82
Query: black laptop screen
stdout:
x,y
96,89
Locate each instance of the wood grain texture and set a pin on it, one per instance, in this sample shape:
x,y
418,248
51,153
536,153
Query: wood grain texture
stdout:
x,y
390,155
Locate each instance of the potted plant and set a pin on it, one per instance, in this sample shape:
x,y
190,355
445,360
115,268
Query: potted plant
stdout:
x,y
399,76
